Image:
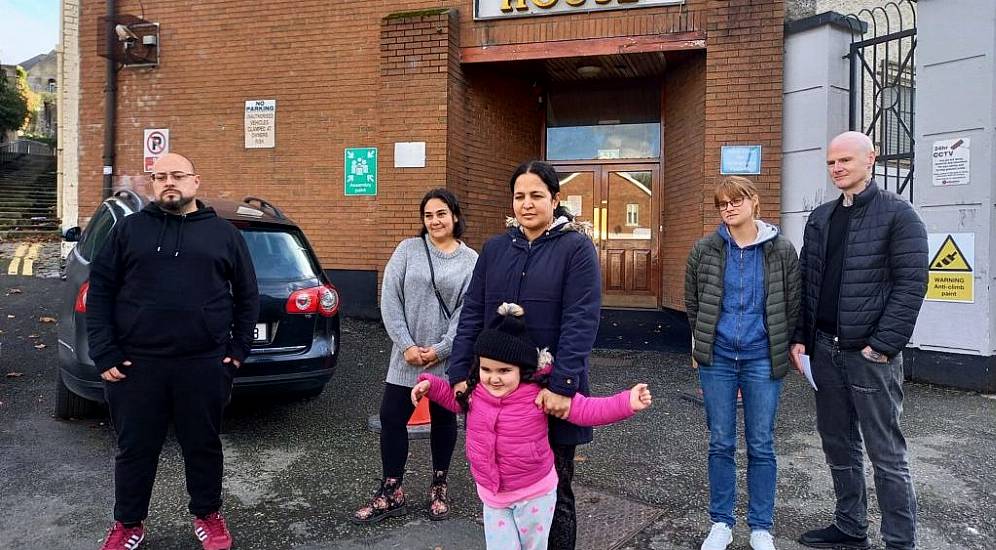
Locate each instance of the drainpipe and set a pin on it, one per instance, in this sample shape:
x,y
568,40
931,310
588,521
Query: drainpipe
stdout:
x,y
110,96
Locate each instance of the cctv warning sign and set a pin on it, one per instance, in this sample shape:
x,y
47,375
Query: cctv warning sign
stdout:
x,y
951,278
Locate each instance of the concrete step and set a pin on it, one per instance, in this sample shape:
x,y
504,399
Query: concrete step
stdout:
x,y
39,194
26,215
24,204
47,234
21,192
46,223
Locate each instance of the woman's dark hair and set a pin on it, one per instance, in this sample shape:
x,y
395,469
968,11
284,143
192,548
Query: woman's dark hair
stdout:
x,y
451,202
527,375
546,172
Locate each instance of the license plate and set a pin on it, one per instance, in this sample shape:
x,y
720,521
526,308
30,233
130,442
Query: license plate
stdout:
x,y
260,334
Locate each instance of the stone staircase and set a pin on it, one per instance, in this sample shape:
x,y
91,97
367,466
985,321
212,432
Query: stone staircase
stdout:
x,y
28,198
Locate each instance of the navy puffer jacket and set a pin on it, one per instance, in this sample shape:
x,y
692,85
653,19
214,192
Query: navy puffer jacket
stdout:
x,y
884,277
557,281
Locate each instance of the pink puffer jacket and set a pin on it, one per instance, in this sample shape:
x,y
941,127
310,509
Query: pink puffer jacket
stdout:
x,y
515,429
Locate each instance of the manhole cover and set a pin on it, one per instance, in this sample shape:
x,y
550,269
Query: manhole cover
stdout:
x,y
618,362
606,522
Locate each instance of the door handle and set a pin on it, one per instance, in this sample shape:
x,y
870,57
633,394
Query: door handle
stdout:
x,y
595,219
605,221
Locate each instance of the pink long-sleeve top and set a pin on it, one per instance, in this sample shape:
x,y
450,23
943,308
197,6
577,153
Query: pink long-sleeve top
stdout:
x,y
515,429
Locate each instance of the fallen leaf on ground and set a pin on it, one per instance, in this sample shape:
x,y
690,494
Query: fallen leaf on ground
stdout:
x,y
33,336
13,291
40,346
47,319
14,374
10,316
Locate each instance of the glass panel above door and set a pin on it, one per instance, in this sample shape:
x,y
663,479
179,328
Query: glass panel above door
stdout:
x,y
610,141
620,120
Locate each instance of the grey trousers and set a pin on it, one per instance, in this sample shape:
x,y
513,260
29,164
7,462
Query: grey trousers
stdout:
x,y
860,400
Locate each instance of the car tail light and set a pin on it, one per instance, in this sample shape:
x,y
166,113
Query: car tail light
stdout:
x,y
80,306
323,300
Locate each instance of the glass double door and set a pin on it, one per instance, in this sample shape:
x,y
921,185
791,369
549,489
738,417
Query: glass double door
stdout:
x,y
622,204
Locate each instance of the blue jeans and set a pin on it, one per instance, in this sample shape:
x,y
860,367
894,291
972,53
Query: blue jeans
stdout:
x,y
720,382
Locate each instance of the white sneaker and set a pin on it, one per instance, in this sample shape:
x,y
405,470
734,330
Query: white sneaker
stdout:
x,y
720,536
761,540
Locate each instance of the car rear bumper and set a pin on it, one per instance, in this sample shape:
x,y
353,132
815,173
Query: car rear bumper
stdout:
x,y
263,373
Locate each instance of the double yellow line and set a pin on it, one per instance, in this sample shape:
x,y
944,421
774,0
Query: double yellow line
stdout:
x,y
24,259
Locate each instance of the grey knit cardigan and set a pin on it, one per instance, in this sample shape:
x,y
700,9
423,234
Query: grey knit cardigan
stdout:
x,y
704,297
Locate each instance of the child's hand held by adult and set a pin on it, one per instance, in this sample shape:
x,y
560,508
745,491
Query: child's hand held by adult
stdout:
x,y
554,404
639,397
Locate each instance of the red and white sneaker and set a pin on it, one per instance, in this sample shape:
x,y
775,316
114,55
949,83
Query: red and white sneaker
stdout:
x,y
212,532
123,538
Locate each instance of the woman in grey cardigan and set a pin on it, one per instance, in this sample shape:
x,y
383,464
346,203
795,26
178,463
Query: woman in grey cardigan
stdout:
x,y
742,290
421,299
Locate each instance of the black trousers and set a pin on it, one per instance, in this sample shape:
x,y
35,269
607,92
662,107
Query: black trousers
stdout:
x,y
395,410
190,393
563,530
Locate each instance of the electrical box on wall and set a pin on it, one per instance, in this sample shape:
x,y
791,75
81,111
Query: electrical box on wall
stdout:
x,y
136,41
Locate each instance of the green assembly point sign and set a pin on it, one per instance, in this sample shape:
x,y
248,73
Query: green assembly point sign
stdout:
x,y
361,171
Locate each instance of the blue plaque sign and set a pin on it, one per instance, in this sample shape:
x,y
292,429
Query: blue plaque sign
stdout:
x,y
740,160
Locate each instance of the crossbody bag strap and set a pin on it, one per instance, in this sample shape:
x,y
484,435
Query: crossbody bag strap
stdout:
x,y
432,277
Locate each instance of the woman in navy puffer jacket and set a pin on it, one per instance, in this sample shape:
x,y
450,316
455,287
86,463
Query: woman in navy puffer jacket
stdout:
x,y
547,263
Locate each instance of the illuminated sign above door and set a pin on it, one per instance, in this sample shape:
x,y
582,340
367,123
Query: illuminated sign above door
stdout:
x,y
504,9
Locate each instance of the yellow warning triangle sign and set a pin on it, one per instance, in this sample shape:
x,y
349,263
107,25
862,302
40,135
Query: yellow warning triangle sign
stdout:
x,y
949,258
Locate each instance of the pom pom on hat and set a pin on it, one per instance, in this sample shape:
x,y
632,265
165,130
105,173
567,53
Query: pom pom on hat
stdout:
x,y
508,341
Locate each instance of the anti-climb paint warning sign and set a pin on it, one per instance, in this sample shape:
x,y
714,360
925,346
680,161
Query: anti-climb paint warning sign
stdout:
x,y
951,278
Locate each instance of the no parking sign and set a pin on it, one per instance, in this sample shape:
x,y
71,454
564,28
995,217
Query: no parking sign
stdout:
x,y
156,145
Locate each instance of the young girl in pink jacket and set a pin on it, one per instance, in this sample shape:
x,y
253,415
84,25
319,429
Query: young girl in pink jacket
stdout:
x,y
507,442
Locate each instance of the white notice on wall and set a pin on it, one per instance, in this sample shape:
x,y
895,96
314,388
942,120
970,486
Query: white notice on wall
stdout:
x,y
409,154
261,123
951,162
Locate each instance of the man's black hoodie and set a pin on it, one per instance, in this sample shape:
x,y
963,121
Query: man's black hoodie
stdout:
x,y
171,286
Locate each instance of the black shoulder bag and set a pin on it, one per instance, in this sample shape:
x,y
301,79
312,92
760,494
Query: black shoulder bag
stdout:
x,y
432,276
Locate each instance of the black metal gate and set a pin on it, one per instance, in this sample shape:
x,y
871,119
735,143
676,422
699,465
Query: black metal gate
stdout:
x,y
883,88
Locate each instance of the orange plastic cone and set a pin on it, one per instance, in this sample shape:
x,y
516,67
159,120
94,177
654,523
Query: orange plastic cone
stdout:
x,y
421,414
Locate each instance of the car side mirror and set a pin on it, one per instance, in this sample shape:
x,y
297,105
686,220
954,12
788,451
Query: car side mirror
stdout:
x,y
72,234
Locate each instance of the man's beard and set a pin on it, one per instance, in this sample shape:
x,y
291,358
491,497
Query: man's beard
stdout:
x,y
176,204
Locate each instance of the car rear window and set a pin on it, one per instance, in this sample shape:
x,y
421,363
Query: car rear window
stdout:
x,y
278,255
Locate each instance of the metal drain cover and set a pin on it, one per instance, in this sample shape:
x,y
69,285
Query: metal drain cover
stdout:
x,y
606,522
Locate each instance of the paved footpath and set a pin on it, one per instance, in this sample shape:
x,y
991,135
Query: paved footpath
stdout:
x,y
295,470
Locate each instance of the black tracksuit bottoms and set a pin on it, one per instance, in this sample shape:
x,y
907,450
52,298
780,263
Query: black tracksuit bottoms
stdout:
x,y
192,393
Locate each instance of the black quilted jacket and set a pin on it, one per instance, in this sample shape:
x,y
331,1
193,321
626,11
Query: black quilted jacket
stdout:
x,y
884,278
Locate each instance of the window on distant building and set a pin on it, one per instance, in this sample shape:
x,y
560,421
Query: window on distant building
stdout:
x,y
51,85
632,214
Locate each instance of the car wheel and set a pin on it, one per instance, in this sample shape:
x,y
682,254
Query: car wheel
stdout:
x,y
67,403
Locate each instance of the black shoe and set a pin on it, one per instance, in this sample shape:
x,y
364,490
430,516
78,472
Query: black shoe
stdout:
x,y
832,537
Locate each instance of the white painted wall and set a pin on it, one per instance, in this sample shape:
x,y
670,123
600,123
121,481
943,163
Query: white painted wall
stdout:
x,y
815,95
956,97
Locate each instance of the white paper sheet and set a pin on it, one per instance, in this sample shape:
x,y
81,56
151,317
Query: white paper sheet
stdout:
x,y
807,370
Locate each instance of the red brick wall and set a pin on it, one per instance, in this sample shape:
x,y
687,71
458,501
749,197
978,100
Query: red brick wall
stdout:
x,y
502,127
340,82
682,171
412,105
744,93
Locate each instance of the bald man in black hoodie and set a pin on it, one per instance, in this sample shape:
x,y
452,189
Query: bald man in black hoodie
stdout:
x,y
170,315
